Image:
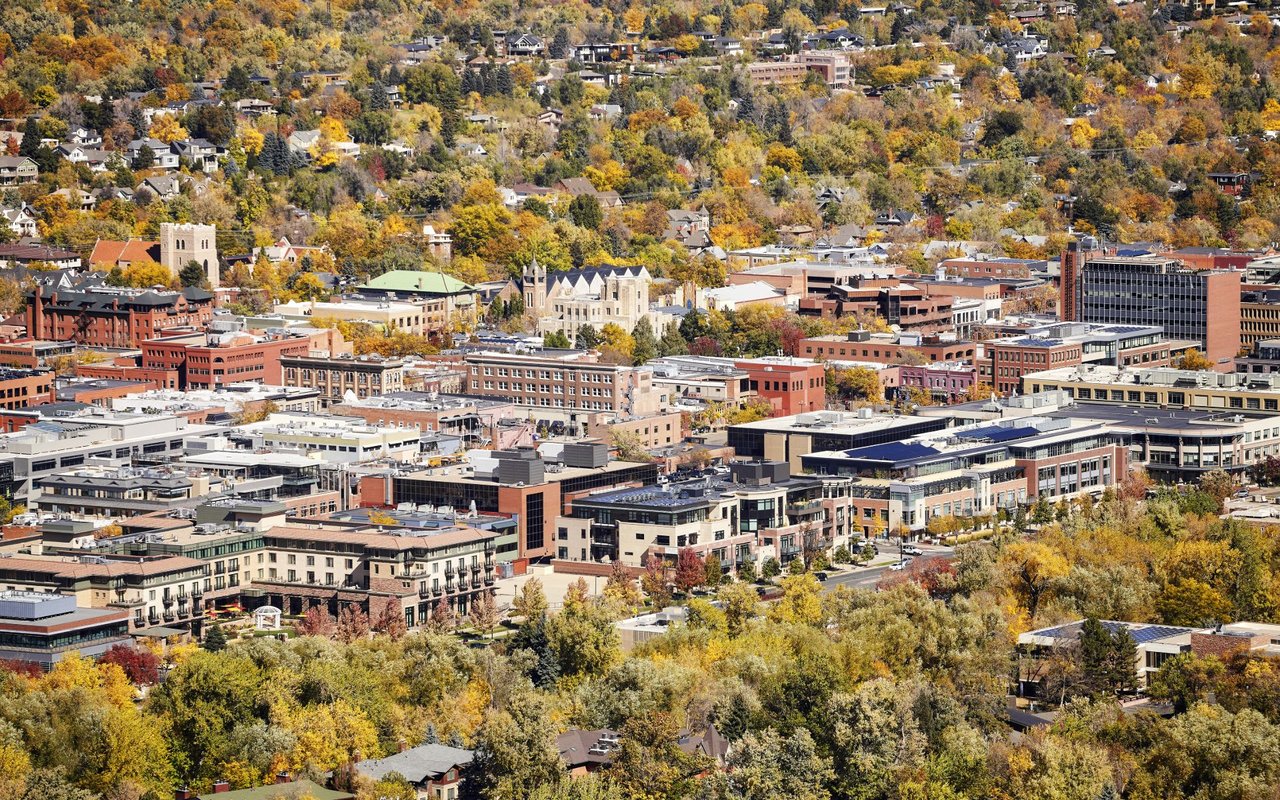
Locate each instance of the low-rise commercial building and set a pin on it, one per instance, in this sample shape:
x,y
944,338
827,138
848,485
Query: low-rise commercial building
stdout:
x,y
1162,388
885,348
41,628
337,378
788,439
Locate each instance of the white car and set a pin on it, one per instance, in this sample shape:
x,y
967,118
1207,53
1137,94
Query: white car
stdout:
x,y
901,565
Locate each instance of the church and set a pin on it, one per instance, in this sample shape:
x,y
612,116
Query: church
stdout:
x,y
563,302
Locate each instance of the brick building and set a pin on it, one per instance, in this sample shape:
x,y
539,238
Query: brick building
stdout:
x,y
884,348
97,315
20,388
366,376
895,302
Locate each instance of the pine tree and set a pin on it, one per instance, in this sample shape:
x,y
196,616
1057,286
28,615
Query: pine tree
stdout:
x,y
503,83
30,138
588,338
215,640
646,344
560,43
746,107
672,343
432,736
378,100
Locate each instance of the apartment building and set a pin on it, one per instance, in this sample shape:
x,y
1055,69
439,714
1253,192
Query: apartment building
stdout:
x,y
517,483
124,491
1259,315
155,593
210,360
334,440
478,421
93,314
563,387
758,511
945,382
337,378
978,469
994,267
901,304
428,558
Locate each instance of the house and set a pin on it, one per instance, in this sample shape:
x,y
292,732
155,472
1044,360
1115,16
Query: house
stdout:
x,y
77,199
525,44
576,187
592,78
162,155
162,187
587,751
17,171
23,255
202,153
601,52
472,150
895,218
95,160
302,141
439,244
434,771
551,119
282,789
604,112
727,46
85,137
1232,183
253,107
21,220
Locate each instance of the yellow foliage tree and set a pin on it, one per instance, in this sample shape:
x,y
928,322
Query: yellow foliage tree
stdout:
x,y
801,601
166,128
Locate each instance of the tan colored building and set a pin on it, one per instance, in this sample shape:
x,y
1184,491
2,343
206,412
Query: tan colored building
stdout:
x,y
362,376
385,314
1162,388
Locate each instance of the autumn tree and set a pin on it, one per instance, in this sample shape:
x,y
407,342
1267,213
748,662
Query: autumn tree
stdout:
x,y
391,620
484,615
353,624
317,621
690,570
531,601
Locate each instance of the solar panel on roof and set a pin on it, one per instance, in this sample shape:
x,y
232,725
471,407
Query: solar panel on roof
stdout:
x,y
998,433
892,451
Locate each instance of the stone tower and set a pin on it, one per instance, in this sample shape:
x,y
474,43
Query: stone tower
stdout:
x,y
181,244
534,283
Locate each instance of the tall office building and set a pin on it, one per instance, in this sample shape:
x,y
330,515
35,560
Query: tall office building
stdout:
x,y
1199,305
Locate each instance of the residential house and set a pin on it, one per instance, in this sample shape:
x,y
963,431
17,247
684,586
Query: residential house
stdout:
x,y
23,255
162,187
84,137
551,119
162,155
435,771
727,46
17,171
439,244
21,220
77,199
202,153
605,112
576,187
525,44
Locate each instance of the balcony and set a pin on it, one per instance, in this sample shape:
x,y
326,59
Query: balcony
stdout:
x,y
424,592
169,616
804,509
488,580
153,618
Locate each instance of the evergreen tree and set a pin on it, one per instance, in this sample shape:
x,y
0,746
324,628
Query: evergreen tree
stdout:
x,y
588,338
746,107
215,640
672,343
556,339
432,737
585,212
378,100
503,83
138,121
646,344
30,138
145,158
560,43
237,80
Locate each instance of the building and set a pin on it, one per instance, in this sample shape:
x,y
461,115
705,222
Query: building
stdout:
x,y
1259,315
162,595
334,440
563,302
25,255
338,378
284,787
445,301
518,483
788,439
979,469
985,266
1197,305
1006,360
179,245
435,771
567,388
479,422
790,385
42,628
1162,388
298,482
945,382
20,388
896,302
885,348
192,359
388,315
758,511
96,315
18,171
835,68
124,491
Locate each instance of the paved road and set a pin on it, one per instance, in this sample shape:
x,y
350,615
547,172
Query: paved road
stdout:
x,y
868,577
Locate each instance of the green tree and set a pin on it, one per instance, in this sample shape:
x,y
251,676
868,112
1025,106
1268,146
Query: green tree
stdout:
x,y
515,751
585,212
740,603
769,766
587,338
215,639
556,339
193,274
646,345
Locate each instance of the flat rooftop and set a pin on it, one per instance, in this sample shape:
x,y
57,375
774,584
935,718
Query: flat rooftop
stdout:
x,y
832,422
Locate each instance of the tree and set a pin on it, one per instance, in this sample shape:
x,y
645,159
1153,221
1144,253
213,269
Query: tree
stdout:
x,y
442,619
740,602
628,445
713,570
690,571
531,601
801,601
771,569
768,766
1218,484
587,338
391,620
556,339
353,624
515,751
654,581
140,665
646,344
145,158
621,588
1033,567
1103,658
484,615
215,639
193,274
1193,359
585,212
316,622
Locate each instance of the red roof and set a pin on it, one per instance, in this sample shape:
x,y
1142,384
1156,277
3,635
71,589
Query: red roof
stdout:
x,y
110,252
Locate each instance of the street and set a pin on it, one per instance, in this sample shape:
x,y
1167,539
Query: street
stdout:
x,y
867,577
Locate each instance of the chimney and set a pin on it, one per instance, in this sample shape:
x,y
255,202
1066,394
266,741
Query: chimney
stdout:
x,y
401,746
221,786
283,777
183,794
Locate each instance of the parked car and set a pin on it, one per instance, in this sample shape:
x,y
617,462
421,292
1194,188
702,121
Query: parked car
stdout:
x,y
912,550
901,565
821,576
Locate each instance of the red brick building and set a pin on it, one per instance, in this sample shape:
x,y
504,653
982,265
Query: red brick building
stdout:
x,y
791,386
20,388
900,304
107,316
882,349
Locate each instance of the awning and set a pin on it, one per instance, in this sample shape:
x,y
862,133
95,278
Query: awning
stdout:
x,y
161,632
